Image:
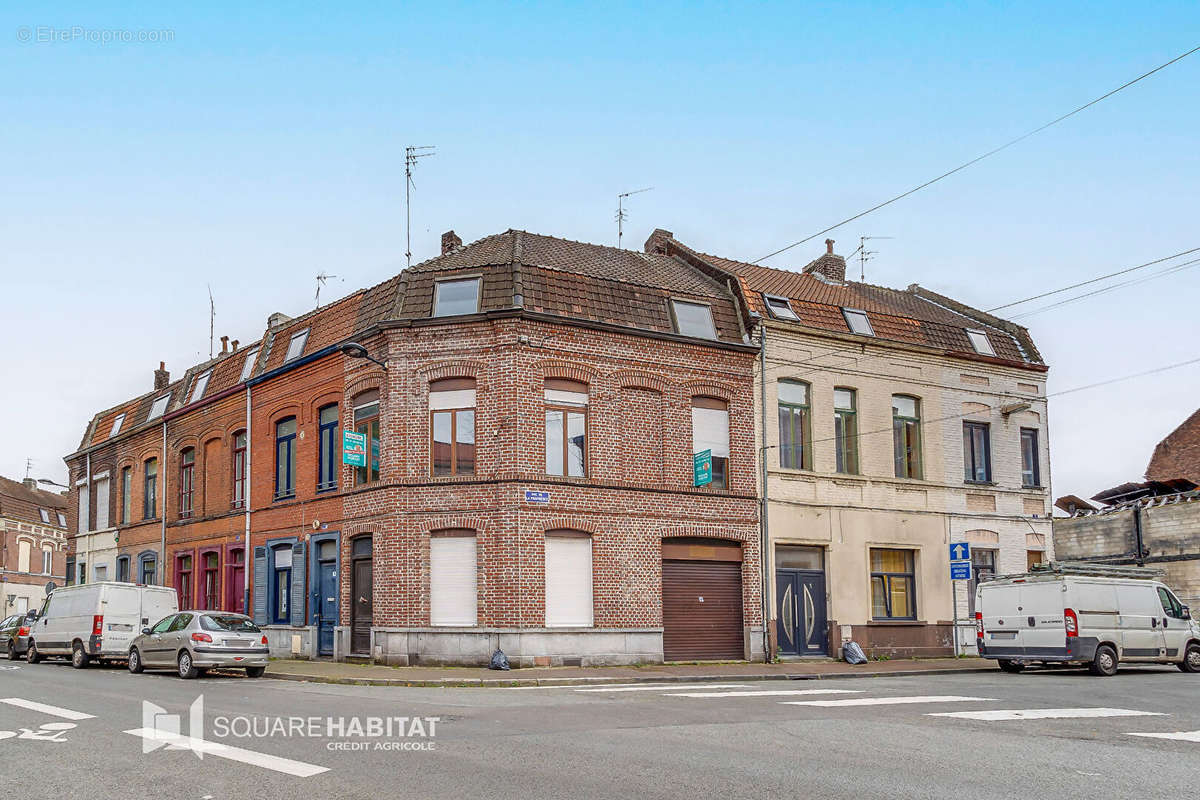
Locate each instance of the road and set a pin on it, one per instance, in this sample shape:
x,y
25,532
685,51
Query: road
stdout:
x,y
967,735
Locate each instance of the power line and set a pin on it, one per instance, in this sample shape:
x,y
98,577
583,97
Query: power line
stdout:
x,y
1161,273
977,159
1093,280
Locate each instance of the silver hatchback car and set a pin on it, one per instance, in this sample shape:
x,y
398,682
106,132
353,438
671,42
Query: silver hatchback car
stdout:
x,y
192,641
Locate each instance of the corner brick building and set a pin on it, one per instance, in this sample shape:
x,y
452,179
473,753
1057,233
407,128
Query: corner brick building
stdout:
x,y
33,544
524,414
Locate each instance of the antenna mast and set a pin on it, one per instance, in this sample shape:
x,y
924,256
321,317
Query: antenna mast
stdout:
x,y
28,468
321,278
212,318
411,154
864,255
621,215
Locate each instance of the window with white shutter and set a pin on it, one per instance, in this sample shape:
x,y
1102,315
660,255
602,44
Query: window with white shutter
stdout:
x,y
84,506
452,585
710,431
568,580
102,502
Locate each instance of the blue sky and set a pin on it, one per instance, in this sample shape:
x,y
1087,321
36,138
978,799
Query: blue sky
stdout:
x,y
259,147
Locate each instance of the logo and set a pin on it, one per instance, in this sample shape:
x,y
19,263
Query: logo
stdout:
x,y
161,729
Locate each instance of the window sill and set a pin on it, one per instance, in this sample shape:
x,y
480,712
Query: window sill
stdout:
x,y
326,489
279,498
903,621
979,483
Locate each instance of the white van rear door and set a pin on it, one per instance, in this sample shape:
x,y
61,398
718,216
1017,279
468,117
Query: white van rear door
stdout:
x,y
156,604
998,603
120,605
1040,615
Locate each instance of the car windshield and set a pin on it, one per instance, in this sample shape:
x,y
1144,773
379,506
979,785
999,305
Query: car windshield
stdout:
x,y
228,622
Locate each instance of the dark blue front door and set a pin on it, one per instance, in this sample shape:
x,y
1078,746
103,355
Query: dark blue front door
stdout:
x,y
325,591
800,612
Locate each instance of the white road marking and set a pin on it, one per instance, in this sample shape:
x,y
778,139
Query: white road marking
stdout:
x,y
572,686
277,763
1046,713
658,687
55,711
889,701
764,693
1180,736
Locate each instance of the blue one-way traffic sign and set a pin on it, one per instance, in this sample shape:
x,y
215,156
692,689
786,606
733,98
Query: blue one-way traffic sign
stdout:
x,y
960,551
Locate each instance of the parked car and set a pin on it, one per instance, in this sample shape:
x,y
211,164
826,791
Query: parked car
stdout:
x,y
193,641
14,634
96,620
1084,614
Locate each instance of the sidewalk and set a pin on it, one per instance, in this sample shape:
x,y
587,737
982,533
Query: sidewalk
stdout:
x,y
376,675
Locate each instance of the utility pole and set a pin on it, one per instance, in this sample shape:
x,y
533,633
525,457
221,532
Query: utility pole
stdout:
x,y
411,154
621,215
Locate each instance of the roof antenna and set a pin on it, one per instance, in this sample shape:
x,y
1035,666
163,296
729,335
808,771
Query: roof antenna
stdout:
x,y
411,154
212,318
864,255
28,467
621,215
322,277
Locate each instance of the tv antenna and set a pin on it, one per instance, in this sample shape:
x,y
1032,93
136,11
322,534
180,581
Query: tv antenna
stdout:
x,y
322,277
621,215
28,467
864,255
212,319
411,154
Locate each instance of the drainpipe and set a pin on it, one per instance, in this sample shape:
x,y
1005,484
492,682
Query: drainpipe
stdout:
x,y
248,552
764,554
87,520
1137,532
162,510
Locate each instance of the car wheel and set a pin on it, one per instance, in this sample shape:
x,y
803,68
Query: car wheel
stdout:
x,y
135,662
79,658
31,653
12,650
186,668
1105,662
1009,666
1191,658
255,672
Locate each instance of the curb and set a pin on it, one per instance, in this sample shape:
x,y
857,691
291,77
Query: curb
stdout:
x,y
491,683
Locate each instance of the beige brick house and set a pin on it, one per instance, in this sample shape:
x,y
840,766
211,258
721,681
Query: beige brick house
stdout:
x,y
896,422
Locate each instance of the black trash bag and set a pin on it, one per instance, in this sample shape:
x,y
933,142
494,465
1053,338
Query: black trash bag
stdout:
x,y
852,653
499,660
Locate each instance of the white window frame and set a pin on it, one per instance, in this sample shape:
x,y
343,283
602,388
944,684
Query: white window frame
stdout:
x,y
857,315
45,515
296,345
248,364
199,384
47,559
711,330
159,407
62,520
437,293
116,426
787,312
568,581
980,341
453,580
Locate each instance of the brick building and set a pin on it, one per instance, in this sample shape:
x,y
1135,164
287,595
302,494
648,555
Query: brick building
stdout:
x,y
894,422
1178,454
529,409
33,544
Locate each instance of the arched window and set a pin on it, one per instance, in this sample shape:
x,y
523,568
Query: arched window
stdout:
x,y
795,425
845,430
452,426
183,579
327,448
239,469
566,427
187,480
209,566
906,436
285,458
710,431
366,422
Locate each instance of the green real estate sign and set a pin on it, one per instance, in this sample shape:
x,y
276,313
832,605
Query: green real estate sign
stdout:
x,y
702,467
354,448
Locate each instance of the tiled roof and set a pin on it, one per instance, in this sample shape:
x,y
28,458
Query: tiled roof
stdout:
x,y
19,502
326,326
914,316
1178,454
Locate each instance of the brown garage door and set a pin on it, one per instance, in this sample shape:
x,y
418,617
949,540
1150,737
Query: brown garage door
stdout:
x,y
702,610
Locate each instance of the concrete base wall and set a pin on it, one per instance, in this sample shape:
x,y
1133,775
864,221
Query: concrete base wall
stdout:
x,y
527,647
288,642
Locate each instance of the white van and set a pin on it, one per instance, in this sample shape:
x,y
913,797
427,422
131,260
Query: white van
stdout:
x,y
1084,614
96,620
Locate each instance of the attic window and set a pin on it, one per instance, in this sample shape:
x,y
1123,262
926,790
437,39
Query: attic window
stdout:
x,y
858,322
296,345
981,342
45,515
199,384
248,364
160,406
451,298
693,319
779,307
62,520
116,428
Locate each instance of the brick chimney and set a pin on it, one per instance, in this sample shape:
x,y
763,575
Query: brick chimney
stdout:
x,y
657,243
29,483
829,265
450,242
224,345
161,376
234,344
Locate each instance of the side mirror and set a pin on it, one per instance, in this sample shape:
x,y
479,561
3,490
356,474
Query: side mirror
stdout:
x,y
1187,613
145,631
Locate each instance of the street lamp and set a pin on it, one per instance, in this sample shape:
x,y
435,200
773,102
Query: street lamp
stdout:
x,y
52,483
356,350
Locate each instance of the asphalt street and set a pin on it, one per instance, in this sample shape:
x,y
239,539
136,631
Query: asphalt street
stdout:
x,y
1063,734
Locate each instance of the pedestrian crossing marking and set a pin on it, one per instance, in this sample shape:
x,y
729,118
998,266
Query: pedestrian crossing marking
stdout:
x,y
54,711
764,693
658,687
1180,736
1001,715
888,701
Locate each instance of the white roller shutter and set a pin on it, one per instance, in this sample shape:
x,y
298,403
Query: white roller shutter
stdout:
x,y
710,431
568,581
102,503
452,588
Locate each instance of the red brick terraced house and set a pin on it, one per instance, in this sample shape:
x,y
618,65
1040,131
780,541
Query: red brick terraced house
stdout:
x,y
33,544
522,416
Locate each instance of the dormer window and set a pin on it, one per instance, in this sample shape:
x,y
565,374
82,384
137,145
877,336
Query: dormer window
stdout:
x,y
779,307
296,345
451,298
248,364
199,384
858,322
159,407
693,319
45,515
116,428
981,342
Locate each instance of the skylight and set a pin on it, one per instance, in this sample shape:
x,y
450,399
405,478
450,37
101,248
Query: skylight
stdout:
x,y
981,342
779,307
296,345
62,520
451,298
248,364
116,428
858,322
199,384
693,319
159,407
45,515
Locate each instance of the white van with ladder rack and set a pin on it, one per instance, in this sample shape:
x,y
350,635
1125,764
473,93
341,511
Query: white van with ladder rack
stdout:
x,y
1087,614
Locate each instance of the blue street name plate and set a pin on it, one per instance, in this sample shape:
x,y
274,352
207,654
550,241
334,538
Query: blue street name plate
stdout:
x,y
532,496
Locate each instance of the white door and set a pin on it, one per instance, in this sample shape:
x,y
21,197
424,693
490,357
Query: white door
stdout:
x,y
1141,622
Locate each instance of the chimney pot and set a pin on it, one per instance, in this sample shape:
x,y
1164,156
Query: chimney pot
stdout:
x,y
224,344
450,242
161,377
829,246
234,343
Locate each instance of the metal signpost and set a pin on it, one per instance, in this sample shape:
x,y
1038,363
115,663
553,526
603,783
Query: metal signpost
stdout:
x,y
702,468
960,570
